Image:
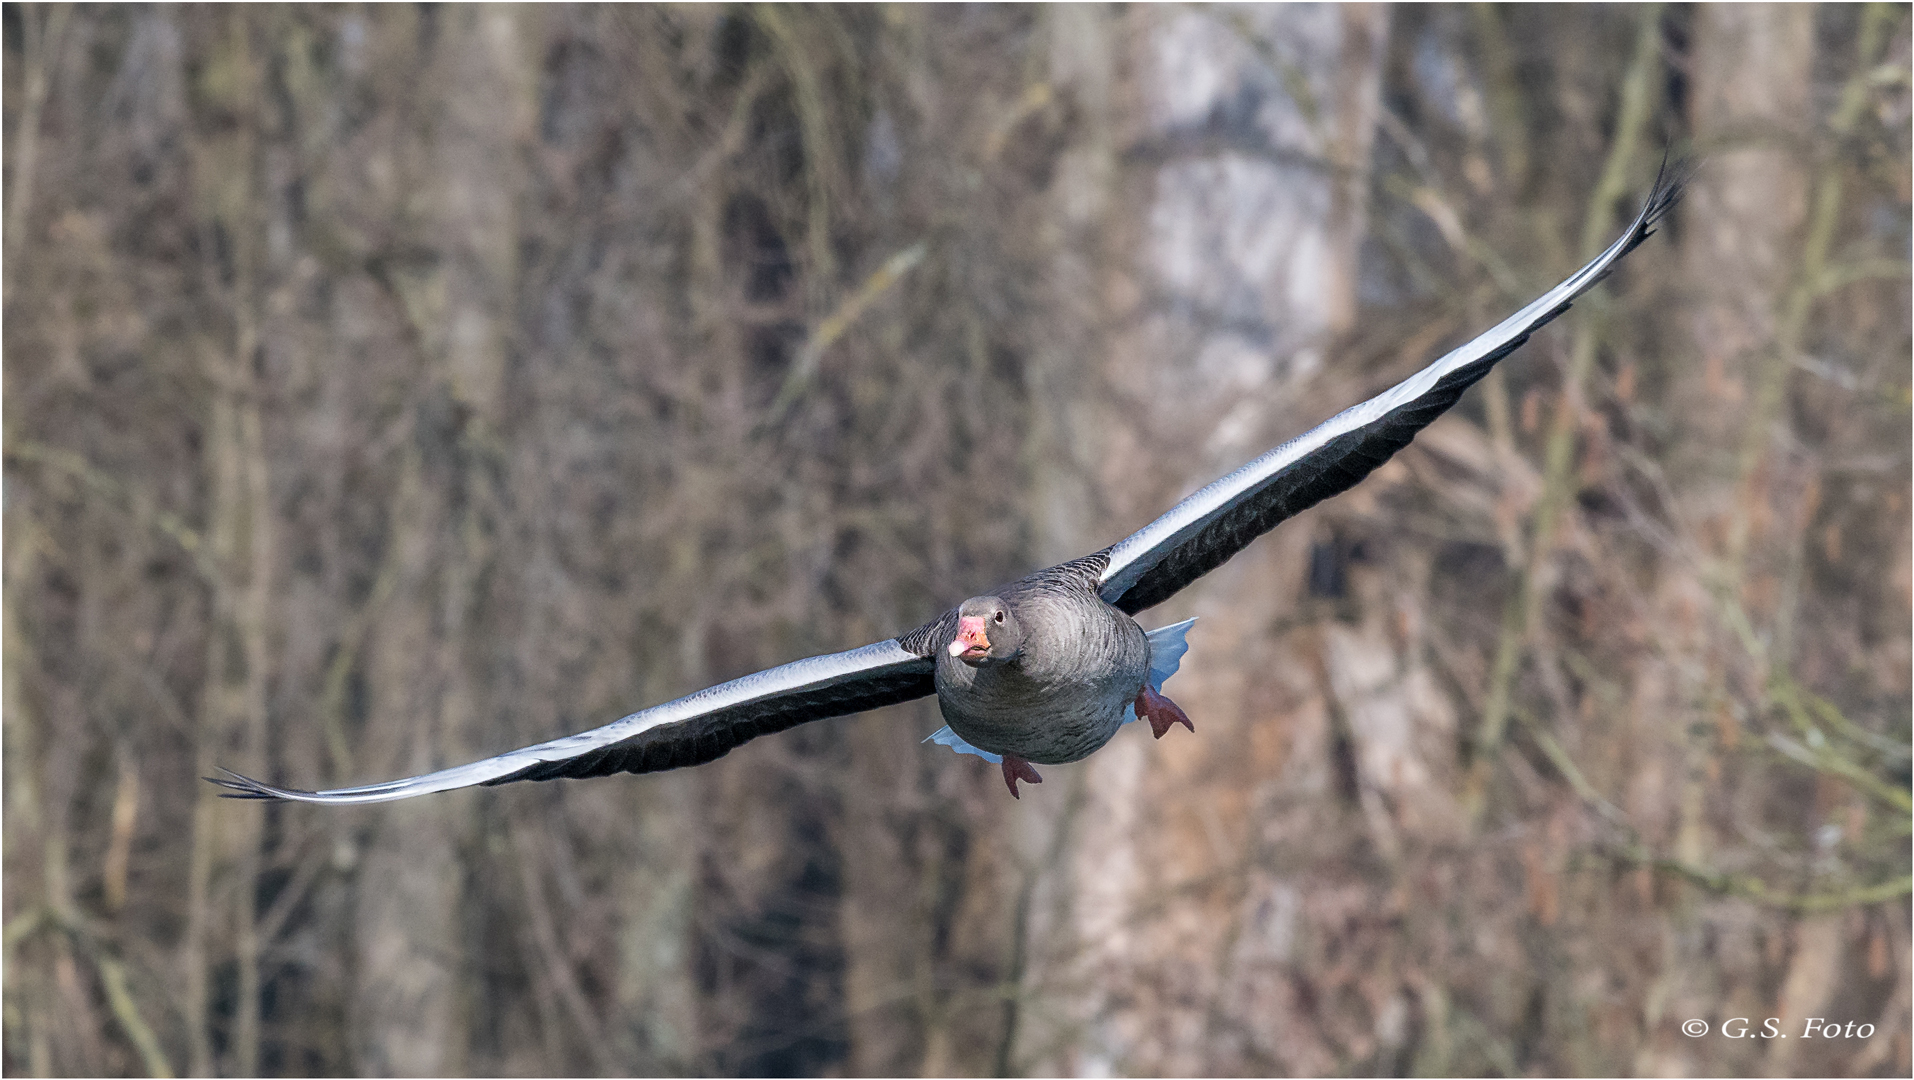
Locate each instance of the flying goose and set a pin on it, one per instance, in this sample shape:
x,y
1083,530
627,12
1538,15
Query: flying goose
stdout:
x,y
1044,670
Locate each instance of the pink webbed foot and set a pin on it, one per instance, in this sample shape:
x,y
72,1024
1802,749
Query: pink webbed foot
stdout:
x,y
1160,711
1015,769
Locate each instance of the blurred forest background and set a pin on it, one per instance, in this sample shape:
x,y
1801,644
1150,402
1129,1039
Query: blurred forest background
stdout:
x,y
390,386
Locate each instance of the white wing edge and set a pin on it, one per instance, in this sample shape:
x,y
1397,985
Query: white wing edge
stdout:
x,y
1134,555
814,673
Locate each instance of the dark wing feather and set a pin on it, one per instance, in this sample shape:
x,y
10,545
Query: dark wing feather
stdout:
x,y
689,731
1205,530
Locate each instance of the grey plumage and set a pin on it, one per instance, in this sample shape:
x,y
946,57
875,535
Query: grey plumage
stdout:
x,y
1062,697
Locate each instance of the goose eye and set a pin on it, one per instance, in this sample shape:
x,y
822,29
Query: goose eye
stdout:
x,y
1000,616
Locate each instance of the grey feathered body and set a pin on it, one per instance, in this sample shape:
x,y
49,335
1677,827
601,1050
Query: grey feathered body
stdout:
x,y
1063,696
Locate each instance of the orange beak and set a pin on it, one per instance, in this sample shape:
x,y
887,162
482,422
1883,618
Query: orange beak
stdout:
x,y
971,643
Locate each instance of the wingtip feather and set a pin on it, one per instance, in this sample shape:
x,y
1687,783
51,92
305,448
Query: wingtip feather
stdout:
x,y
243,787
1671,182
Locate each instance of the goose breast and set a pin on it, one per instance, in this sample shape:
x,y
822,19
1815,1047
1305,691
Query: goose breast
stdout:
x,y
1064,694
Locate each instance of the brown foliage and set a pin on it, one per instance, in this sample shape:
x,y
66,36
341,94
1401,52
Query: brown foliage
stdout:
x,y
388,387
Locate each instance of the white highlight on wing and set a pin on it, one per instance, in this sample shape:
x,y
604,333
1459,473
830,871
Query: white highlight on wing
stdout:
x,y
1133,556
815,673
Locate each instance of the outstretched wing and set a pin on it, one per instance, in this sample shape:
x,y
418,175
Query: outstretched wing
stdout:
x,y
689,731
1203,531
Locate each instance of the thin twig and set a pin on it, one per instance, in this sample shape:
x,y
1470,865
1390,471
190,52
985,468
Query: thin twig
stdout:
x,y
804,368
127,1012
1523,605
1753,888
104,483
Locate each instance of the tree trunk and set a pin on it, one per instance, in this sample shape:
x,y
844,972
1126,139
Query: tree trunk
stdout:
x,y
429,670
1209,279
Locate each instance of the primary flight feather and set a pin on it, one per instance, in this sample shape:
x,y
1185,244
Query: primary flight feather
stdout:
x,y
1045,669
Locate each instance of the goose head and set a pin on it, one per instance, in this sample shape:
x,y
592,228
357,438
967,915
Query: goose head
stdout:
x,y
987,632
